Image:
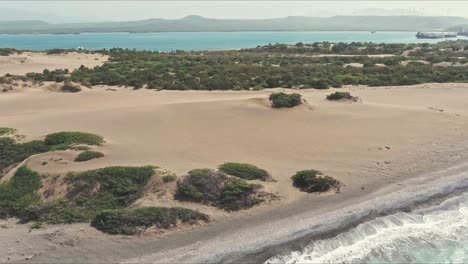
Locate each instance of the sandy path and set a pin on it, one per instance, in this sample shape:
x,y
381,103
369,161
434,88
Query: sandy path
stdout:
x,y
25,62
185,130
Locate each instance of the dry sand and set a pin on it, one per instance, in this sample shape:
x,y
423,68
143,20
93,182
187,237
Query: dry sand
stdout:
x,y
394,134
20,64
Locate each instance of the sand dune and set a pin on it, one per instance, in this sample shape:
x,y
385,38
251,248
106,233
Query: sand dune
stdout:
x,y
365,145
185,130
25,62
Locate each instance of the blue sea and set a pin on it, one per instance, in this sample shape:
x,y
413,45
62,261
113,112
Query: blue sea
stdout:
x,y
170,41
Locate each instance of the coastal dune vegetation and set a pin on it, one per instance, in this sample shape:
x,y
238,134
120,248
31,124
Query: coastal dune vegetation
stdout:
x,y
314,181
283,100
12,151
218,189
105,196
341,96
300,66
88,155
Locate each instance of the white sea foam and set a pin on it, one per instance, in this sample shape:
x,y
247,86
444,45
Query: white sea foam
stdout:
x,y
434,234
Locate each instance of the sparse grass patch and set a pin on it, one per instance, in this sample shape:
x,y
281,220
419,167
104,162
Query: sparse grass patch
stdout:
x,y
169,178
281,100
70,88
338,96
4,131
132,221
244,171
36,225
7,51
314,181
88,155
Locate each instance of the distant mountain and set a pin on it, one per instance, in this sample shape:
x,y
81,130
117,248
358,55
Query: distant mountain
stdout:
x,y
198,23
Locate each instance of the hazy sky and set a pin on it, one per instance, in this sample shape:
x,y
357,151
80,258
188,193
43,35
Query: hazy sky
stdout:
x,y
80,11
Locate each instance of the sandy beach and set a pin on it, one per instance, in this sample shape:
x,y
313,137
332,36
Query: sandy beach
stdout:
x,y
393,134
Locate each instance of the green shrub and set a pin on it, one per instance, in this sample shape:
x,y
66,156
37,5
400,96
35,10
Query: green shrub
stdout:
x,y
70,88
319,84
132,221
6,131
63,140
55,212
169,178
89,193
7,51
201,185
238,194
244,171
12,153
218,189
88,155
280,100
107,188
19,193
337,96
36,225
313,181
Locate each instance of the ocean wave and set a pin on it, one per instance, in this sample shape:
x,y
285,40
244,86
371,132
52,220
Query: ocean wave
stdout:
x,y
433,234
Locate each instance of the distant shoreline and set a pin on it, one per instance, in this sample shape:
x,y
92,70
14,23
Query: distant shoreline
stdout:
x,y
197,41
205,31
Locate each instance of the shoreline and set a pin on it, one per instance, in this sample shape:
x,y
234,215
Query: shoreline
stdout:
x,y
421,190
301,242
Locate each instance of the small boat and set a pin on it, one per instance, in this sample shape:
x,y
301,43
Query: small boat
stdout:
x,y
373,32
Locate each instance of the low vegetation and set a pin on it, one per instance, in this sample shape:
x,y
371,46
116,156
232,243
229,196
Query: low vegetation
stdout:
x,y
12,152
270,66
107,188
88,155
4,131
101,196
66,139
18,194
89,193
340,96
218,189
314,181
7,51
169,178
133,221
280,100
244,171
70,88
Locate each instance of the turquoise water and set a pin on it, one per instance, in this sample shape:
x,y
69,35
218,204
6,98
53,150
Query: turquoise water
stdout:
x,y
435,234
195,40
